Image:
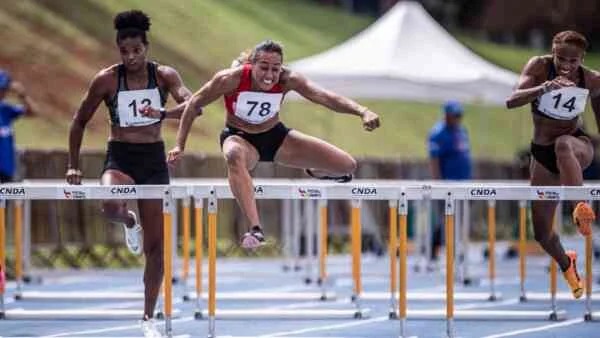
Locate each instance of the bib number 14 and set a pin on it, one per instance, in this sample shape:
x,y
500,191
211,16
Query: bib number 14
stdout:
x,y
568,104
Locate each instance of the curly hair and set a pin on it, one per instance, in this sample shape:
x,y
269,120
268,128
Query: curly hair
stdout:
x,y
132,24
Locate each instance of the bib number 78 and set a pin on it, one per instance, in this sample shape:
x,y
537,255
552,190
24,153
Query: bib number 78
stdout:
x,y
263,110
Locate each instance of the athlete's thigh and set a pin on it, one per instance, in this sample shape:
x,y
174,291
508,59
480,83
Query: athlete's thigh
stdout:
x,y
234,146
115,177
542,176
304,151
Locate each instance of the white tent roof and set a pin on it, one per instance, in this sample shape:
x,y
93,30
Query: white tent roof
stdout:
x,y
406,54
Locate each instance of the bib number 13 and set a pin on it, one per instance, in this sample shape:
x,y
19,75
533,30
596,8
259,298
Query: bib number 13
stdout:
x,y
133,105
569,104
263,109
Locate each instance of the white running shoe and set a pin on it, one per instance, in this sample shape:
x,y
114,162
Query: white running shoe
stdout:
x,y
149,329
133,235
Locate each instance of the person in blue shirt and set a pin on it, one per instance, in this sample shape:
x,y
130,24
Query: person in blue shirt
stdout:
x,y
449,150
449,158
8,113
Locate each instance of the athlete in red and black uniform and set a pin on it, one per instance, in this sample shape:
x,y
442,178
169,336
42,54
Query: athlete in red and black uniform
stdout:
x,y
253,93
558,86
135,93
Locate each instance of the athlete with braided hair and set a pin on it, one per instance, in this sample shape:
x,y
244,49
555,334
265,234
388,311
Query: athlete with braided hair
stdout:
x,y
557,86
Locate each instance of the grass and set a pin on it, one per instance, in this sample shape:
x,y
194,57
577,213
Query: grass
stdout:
x,y
57,45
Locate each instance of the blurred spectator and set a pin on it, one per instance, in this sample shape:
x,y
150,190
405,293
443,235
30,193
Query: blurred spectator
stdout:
x,y
8,113
449,159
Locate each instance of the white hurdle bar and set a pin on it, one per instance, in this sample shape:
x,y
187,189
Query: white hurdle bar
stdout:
x,y
53,191
451,193
358,191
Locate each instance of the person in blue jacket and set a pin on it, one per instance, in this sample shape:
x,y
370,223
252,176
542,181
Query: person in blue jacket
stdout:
x,y
8,113
449,158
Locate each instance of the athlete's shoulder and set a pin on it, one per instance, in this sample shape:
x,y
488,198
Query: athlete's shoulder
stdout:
x,y
228,79
111,70
538,64
592,81
292,79
167,74
105,77
164,70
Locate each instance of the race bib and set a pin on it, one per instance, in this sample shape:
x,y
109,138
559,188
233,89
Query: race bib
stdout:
x,y
257,107
564,103
129,103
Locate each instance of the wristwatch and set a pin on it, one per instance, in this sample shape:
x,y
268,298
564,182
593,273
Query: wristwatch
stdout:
x,y
163,113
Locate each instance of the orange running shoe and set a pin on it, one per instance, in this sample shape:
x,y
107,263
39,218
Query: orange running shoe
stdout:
x,y
572,277
583,216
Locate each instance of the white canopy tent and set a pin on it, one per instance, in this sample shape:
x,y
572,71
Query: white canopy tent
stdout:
x,y
406,54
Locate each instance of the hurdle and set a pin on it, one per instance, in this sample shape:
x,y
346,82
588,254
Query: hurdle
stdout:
x,y
87,192
555,296
452,193
281,191
200,295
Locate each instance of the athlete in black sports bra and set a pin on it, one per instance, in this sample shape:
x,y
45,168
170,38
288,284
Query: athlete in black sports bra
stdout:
x,y
558,86
135,93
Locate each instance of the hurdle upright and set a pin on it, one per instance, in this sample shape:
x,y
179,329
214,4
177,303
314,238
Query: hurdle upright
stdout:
x,y
51,191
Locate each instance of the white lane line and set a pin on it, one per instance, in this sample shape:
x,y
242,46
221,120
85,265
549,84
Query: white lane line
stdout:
x,y
536,329
176,336
470,306
379,319
115,328
328,327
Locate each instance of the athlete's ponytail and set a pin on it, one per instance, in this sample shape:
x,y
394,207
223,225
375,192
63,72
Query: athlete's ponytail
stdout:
x,y
243,58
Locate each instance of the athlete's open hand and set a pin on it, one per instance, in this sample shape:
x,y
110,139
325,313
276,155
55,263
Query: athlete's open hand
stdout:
x,y
370,120
174,155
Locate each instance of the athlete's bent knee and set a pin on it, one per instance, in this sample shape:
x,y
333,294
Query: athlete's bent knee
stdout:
x,y
350,165
235,157
563,147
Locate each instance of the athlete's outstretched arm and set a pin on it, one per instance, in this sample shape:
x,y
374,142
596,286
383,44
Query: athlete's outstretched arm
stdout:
x,y
82,116
222,83
331,100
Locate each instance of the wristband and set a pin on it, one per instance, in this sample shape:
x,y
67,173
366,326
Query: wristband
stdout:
x,y
163,113
545,87
73,171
